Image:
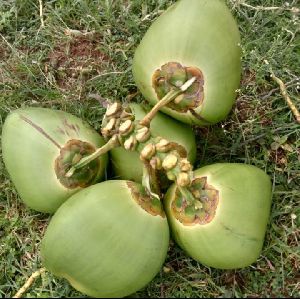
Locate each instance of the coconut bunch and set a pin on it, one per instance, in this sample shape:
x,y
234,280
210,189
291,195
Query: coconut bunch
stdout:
x,y
109,239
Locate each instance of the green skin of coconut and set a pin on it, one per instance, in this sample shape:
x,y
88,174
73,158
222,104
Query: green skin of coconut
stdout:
x,y
194,33
31,142
127,164
104,243
235,236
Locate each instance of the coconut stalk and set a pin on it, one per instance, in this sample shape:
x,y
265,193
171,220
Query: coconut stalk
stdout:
x,y
120,129
127,164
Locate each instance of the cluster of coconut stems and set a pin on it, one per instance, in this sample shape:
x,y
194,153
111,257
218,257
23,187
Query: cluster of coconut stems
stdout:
x,y
120,129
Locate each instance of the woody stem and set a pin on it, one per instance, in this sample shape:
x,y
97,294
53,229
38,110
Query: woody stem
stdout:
x,y
169,97
112,143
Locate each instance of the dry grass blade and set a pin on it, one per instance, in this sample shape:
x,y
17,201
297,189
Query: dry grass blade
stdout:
x,y
29,282
264,8
286,97
41,13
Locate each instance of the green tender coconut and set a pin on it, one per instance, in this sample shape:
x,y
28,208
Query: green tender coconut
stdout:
x,y
193,38
236,200
108,240
39,145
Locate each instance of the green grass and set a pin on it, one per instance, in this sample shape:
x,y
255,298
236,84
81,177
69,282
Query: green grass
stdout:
x,y
44,67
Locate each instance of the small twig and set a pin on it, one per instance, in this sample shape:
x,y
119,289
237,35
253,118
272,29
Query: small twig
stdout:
x,y
284,93
260,7
131,96
265,8
266,96
41,14
77,69
289,84
29,282
7,42
257,137
286,97
106,74
78,33
102,101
